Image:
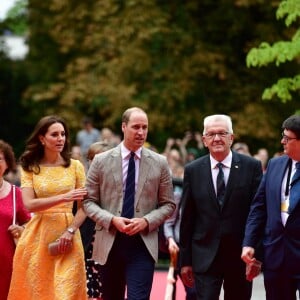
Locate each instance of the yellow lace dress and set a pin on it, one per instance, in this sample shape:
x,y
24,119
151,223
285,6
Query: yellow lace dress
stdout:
x,y
36,274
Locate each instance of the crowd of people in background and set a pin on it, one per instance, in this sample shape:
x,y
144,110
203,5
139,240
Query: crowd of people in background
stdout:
x,y
56,177
262,154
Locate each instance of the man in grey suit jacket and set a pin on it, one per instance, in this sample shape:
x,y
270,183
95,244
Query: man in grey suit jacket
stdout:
x,y
127,247
213,223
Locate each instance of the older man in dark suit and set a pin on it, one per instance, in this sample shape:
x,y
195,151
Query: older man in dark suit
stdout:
x,y
217,193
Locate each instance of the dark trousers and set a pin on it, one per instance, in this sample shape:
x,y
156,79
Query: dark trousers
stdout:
x,y
280,285
87,232
129,265
227,269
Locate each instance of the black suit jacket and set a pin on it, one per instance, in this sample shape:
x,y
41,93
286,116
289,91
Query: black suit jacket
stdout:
x,y
204,225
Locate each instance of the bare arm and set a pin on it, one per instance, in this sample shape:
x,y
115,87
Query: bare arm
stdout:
x,y
34,204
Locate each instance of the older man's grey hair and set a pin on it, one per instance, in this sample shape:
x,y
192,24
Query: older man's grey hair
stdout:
x,y
218,118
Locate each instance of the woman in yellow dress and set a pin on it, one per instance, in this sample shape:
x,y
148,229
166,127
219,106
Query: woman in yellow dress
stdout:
x,y
50,182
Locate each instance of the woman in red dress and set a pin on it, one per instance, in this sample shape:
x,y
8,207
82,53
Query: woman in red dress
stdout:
x,y
8,231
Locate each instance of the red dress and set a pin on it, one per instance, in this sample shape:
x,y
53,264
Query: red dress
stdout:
x,y
7,246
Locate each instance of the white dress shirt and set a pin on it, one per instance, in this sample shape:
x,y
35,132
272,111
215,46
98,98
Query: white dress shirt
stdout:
x,y
125,162
215,170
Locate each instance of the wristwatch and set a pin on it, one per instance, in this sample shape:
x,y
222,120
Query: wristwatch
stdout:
x,y
71,230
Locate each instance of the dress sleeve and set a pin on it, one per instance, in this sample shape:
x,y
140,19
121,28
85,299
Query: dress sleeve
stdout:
x,y
80,174
26,178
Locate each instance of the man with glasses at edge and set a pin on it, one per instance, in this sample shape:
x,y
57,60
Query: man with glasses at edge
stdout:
x,y
214,214
275,215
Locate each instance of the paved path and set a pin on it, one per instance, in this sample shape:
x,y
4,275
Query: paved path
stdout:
x,y
159,287
258,291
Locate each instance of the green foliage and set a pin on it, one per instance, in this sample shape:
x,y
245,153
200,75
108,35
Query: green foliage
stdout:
x,y
16,19
179,60
121,53
283,89
280,52
290,9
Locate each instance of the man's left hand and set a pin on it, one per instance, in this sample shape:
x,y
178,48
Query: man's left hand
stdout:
x,y
135,226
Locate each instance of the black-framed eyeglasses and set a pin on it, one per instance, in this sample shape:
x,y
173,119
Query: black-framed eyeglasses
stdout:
x,y
212,135
287,138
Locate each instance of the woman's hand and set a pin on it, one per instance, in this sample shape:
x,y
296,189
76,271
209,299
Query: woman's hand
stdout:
x,y
76,195
15,230
65,242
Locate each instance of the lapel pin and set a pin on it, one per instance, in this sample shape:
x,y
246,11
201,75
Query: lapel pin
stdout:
x,y
236,166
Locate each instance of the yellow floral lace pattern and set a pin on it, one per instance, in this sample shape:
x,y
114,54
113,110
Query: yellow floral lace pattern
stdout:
x,y
36,274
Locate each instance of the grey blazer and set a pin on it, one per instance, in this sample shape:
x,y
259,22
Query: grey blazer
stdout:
x,y
153,200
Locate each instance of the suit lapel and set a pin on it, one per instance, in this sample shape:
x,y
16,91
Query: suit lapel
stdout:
x,y
205,168
144,169
279,172
294,204
233,178
116,168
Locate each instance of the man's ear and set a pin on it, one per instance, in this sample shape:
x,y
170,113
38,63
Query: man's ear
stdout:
x,y
123,126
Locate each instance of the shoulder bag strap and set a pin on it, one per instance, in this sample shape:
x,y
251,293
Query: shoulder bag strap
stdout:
x,y
14,204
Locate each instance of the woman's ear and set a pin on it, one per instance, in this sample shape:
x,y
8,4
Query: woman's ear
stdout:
x,y
41,138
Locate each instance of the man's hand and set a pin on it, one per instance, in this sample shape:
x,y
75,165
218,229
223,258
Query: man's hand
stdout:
x,y
129,226
172,246
187,276
248,254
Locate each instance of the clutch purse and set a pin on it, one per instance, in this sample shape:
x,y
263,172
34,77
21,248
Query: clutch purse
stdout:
x,y
53,248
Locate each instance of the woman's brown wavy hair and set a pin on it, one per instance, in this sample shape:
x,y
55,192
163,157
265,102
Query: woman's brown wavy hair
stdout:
x,y
34,150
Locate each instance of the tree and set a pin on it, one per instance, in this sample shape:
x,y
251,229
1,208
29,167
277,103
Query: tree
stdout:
x,y
16,20
13,81
114,54
179,60
280,52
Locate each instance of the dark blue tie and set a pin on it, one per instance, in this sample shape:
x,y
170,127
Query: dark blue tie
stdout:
x,y
128,203
295,189
220,185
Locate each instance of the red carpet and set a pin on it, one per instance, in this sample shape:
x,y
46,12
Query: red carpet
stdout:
x,y
159,287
